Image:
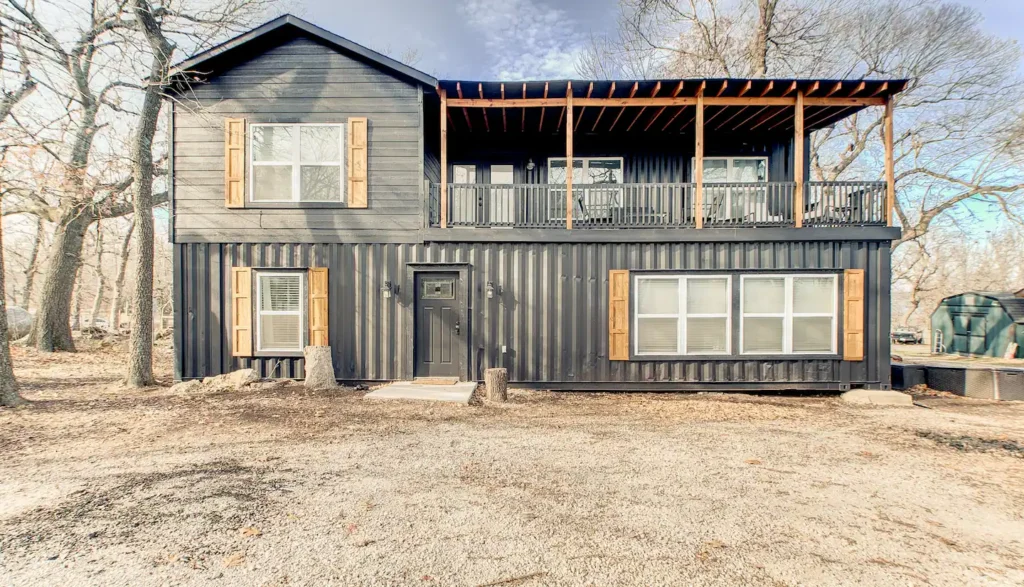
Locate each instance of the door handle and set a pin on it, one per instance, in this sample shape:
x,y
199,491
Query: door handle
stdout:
x,y
457,327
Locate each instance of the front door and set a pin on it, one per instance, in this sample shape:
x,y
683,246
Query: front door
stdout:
x,y
438,325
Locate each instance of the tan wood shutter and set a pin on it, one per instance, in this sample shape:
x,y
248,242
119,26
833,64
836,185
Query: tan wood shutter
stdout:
x,y
853,315
241,312
618,315
234,162
357,162
318,306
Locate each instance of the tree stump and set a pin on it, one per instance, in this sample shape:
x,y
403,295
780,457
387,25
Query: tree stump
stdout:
x,y
496,382
319,368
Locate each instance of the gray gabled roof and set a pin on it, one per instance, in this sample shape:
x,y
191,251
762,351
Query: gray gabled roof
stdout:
x,y
222,54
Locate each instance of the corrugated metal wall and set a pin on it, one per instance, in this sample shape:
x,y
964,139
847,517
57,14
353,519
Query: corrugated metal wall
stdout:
x,y
551,312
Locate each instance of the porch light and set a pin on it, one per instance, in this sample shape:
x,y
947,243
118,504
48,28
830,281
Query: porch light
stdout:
x,y
388,288
490,290
530,165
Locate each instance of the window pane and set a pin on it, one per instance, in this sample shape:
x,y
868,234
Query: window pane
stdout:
x,y
762,335
716,170
764,296
320,183
603,171
658,296
280,331
813,295
280,293
707,296
748,170
464,174
320,144
501,174
271,182
658,335
812,335
272,143
706,335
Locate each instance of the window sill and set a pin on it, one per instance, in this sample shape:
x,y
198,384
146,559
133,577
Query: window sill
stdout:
x,y
294,205
278,354
734,357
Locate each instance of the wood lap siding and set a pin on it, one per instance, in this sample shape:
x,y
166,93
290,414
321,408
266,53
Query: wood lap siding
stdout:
x,y
300,81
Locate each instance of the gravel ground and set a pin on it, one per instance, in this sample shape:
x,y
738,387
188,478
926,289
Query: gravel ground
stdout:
x,y
104,486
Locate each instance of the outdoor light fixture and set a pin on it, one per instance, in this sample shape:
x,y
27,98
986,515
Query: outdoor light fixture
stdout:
x,y
530,165
490,289
387,288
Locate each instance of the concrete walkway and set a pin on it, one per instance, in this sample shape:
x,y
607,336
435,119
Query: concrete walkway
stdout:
x,y
458,393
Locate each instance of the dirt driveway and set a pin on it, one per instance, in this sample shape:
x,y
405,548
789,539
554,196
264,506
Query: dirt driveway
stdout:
x,y
100,486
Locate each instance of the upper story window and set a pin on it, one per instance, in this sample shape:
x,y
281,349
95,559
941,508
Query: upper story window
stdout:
x,y
586,170
789,314
735,169
297,162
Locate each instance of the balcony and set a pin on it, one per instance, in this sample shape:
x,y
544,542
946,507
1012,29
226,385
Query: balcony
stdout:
x,y
659,205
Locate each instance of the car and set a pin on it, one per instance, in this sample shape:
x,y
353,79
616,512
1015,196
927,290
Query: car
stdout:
x,y
906,336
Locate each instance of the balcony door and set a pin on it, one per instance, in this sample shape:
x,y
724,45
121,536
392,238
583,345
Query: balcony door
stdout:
x,y
728,200
463,192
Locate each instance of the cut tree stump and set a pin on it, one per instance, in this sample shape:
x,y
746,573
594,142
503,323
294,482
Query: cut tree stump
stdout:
x,y
319,368
496,382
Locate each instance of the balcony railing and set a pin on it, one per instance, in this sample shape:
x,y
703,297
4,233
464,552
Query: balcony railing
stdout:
x,y
658,205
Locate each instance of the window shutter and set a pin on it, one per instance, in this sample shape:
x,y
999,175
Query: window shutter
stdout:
x,y
241,312
853,315
357,162
234,162
318,306
618,315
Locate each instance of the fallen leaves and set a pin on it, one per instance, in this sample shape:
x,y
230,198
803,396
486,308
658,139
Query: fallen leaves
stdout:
x,y
251,532
234,560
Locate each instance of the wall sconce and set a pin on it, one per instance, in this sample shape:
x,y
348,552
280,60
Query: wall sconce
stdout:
x,y
530,165
492,289
388,288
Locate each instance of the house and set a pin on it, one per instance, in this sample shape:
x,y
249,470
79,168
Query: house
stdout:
x,y
326,194
982,324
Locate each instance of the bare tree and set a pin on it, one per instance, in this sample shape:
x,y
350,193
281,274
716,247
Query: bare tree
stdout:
x,y
9,395
122,268
33,264
101,281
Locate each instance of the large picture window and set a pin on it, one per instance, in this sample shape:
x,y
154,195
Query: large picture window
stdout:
x,y
297,162
788,314
683,315
280,319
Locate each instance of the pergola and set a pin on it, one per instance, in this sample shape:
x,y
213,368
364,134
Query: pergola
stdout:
x,y
666,107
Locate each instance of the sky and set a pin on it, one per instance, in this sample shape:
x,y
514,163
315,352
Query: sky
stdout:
x,y
513,39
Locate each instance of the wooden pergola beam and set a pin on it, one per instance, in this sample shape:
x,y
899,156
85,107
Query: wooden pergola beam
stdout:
x,y
632,93
746,88
835,88
798,161
611,91
725,84
880,89
444,158
568,160
465,112
751,117
768,116
814,88
790,89
768,87
590,90
662,101
698,163
504,120
890,166
540,126
657,88
857,90
480,90
523,129
679,88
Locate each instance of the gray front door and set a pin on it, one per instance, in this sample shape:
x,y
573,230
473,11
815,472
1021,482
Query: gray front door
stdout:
x,y
438,325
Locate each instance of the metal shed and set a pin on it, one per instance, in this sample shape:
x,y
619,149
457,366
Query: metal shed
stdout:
x,y
981,323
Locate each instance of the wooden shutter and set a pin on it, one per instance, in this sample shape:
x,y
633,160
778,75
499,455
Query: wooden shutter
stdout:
x,y
318,306
618,315
853,315
241,312
234,162
357,162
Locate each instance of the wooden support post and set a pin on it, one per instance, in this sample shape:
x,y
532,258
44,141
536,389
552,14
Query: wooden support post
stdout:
x,y
568,159
890,171
798,161
698,163
444,158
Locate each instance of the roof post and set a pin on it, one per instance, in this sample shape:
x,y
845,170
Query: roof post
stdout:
x,y
568,157
890,171
444,158
798,161
698,162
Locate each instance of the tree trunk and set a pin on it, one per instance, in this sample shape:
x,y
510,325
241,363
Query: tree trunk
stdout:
x,y
122,267
140,345
51,329
33,265
496,382
8,384
101,282
319,368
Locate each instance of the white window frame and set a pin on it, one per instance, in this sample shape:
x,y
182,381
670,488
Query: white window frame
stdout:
x,y
730,164
681,315
260,312
789,313
586,167
296,162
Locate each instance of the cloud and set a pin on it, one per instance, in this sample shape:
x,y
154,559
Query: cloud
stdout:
x,y
525,39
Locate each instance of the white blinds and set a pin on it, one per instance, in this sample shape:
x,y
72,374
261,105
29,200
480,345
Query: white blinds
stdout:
x,y
280,311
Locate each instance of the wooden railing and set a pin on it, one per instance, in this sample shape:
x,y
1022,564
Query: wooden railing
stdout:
x,y
844,203
657,205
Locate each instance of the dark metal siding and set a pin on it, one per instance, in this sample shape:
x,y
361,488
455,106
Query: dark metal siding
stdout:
x,y
299,81
552,311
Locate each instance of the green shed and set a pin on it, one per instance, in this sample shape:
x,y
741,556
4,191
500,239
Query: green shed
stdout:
x,y
981,323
